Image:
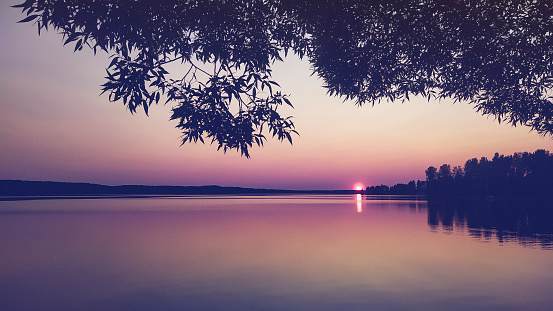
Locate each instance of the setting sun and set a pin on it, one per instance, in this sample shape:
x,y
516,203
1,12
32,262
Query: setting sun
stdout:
x,y
358,186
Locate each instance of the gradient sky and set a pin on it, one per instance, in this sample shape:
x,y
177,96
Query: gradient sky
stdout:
x,y
54,125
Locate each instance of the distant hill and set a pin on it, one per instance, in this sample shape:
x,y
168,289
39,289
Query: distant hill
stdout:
x,y
52,188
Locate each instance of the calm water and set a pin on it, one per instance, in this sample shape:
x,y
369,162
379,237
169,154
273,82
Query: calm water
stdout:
x,y
271,253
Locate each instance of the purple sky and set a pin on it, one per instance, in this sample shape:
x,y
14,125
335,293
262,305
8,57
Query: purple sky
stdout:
x,y
55,126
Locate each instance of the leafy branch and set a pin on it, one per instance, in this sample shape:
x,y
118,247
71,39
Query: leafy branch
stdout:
x,y
496,55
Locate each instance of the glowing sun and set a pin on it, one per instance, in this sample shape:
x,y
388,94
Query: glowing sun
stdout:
x,y
358,186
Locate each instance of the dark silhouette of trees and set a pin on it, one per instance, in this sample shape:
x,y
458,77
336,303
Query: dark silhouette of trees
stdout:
x,y
518,174
411,188
431,178
497,55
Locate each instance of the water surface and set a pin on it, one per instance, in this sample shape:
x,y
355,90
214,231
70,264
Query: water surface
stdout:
x,y
264,253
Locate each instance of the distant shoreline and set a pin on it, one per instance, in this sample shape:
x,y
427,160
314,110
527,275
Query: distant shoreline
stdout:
x,y
50,189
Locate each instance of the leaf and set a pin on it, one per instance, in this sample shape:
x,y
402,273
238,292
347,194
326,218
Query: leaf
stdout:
x,y
113,61
71,38
287,101
146,106
25,4
274,83
79,45
28,18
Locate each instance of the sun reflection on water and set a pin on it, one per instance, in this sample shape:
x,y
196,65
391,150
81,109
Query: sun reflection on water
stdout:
x,y
359,203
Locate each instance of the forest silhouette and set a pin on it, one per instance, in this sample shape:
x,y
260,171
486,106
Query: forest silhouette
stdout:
x,y
507,198
520,174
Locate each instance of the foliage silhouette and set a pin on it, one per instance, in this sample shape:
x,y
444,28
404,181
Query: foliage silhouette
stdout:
x,y
497,55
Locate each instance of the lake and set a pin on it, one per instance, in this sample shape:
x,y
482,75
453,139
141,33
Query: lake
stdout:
x,y
301,252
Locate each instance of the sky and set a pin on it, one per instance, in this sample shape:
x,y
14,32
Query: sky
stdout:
x,y
55,125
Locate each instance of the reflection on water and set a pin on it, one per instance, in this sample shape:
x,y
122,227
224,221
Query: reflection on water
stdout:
x,y
259,253
359,200
529,223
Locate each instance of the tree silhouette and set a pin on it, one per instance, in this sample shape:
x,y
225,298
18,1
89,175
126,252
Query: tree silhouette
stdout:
x,y
411,188
497,55
520,174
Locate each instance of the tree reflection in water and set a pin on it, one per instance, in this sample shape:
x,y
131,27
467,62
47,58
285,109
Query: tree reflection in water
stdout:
x,y
527,222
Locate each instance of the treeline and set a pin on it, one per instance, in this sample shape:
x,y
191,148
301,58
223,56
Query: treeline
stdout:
x,y
519,174
410,188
